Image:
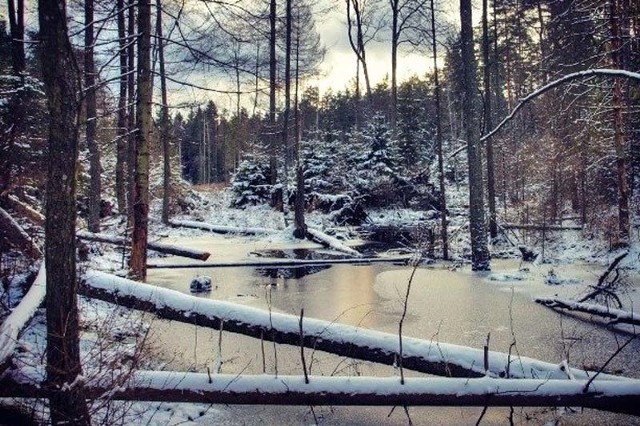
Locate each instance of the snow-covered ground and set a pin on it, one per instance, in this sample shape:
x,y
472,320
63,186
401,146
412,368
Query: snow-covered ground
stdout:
x,y
111,337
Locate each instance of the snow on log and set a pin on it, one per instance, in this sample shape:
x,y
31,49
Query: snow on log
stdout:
x,y
617,316
331,242
24,209
161,248
20,316
284,263
542,227
344,340
13,233
219,229
172,386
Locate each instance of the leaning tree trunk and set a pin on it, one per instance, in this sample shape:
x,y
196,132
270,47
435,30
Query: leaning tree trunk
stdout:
x,y
480,257
138,261
61,80
90,102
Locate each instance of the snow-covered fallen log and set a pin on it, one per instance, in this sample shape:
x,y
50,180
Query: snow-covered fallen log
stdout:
x,y
13,233
283,263
617,316
219,229
171,386
344,340
161,248
534,227
331,242
20,317
24,209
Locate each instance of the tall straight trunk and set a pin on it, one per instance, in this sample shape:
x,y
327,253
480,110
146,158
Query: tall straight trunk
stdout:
x,y
91,127
443,198
165,134
618,124
121,144
131,116
276,200
491,180
286,114
300,230
138,261
480,258
395,37
16,102
61,81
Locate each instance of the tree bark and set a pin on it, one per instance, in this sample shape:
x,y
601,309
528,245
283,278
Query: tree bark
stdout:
x,y
121,144
95,171
165,134
138,261
443,197
488,121
395,40
11,232
131,101
480,257
299,207
618,125
276,199
61,77
287,113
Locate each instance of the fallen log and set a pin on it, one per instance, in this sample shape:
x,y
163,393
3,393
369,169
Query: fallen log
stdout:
x,y
354,342
13,325
161,248
171,386
13,233
542,227
617,316
219,229
284,263
331,242
24,209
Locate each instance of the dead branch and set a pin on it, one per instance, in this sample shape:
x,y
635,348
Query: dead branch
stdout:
x,y
601,286
617,316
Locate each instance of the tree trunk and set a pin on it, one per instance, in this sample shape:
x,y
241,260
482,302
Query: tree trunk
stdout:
x,y
286,114
395,36
138,261
91,113
480,257
165,134
618,125
16,104
488,120
121,144
298,220
443,197
61,81
276,199
131,119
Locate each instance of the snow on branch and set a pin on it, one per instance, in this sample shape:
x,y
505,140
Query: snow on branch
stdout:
x,y
617,316
20,316
219,229
425,356
567,78
171,386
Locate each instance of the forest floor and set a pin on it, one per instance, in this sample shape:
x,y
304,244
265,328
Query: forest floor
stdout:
x,y
117,350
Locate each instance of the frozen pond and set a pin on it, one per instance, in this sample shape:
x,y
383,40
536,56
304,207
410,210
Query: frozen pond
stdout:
x,y
454,306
